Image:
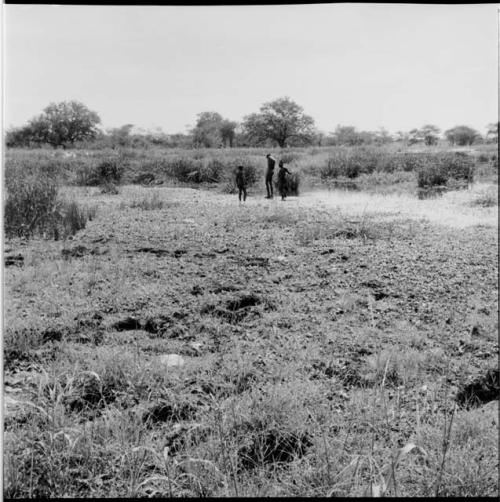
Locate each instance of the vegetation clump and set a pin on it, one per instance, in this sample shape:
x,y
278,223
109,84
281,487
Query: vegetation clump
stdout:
x,y
444,168
33,207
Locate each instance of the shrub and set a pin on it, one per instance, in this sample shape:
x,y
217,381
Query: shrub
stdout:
x,y
109,188
289,157
431,175
185,169
33,208
30,205
494,160
74,217
105,172
486,198
350,163
145,178
148,203
412,161
70,218
459,166
293,184
249,172
439,170
213,170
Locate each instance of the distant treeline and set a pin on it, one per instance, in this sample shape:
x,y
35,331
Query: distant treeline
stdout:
x,y
279,123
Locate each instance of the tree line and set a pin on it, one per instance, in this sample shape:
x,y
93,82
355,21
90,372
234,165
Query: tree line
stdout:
x,y
281,122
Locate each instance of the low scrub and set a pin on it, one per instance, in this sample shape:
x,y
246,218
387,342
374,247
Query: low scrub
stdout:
x,y
353,162
249,172
191,170
293,184
148,203
486,198
105,172
440,170
33,207
348,163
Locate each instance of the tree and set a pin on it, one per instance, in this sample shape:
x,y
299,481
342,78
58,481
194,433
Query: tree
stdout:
x,y
19,136
462,135
492,134
382,136
402,136
415,136
207,131
227,132
120,135
319,138
61,124
346,135
430,134
279,121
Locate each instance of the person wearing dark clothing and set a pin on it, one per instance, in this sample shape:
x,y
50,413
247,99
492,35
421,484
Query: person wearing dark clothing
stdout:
x,y
282,181
241,183
269,175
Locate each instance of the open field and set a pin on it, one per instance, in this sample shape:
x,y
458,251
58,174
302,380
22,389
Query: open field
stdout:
x,y
338,343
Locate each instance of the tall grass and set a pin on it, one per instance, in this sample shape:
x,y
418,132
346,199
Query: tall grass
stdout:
x,y
314,166
444,168
33,205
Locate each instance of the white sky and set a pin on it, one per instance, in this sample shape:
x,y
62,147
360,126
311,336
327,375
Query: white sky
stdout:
x,y
367,65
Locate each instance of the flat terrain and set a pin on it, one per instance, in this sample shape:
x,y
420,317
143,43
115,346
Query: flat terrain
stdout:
x,y
316,337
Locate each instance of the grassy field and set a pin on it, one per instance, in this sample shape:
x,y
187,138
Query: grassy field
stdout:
x,y
340,343
380,169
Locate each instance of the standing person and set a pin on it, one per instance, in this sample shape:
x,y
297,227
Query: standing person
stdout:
x,y
271,161
282,181
241,183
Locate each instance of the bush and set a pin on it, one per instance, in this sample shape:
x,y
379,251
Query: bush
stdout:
x,y
148,203
412,161
105,172
33,208
71,218
30,205
289,157
350,163
494,160
185,169
431,175
109,188
439,170
293,184
486,198
214,170
249,170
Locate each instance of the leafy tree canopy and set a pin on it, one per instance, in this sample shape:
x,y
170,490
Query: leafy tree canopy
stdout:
x,y
279,121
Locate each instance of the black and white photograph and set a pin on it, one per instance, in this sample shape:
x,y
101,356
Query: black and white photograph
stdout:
x,y
250,250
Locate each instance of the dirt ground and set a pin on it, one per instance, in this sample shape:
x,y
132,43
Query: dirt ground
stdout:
x,y
332,293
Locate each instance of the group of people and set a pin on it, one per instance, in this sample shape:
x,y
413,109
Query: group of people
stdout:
x,y
241,182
